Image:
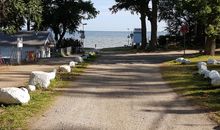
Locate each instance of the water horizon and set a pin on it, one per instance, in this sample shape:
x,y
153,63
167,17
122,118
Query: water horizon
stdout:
x,y
107,39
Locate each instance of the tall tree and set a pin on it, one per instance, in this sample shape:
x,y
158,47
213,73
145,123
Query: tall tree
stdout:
x,y
153,19
135,6
14,14
203,14
66,15
175,13
33,12
210,17
13,11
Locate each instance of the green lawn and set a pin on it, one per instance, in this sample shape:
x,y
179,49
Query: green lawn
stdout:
x,y
16,116
185,81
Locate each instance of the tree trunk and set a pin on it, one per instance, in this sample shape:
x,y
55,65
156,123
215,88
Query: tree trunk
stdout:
x,y
153,21
62,35
200,37
143,31
210,46
28,25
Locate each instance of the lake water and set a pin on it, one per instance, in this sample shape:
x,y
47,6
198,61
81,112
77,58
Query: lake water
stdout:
x,y
107,39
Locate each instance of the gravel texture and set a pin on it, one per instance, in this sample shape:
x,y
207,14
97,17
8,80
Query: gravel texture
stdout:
x,y
122,92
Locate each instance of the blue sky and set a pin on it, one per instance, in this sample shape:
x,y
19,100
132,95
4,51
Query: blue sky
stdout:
x,y
121,21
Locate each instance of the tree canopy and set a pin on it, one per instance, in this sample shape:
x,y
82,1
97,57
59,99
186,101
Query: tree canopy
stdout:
x,y
15,13
66,15
200,15
138,7
146,9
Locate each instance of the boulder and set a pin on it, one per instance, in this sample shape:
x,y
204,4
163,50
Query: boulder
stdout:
x,y
214,74
72,64
199,64
40,79
78,59
202,69
31,88
180,59
212,61
65,68
206,73
14,95
52,75
186,61
215,82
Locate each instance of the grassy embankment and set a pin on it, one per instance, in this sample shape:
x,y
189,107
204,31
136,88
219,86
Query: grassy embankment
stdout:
x,y
185,81
16,116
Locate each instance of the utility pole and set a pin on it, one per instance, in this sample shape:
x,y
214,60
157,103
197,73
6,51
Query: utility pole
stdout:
x,y
83,34
128,36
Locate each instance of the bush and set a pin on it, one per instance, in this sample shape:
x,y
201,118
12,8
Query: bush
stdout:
x,y
69,42
165,41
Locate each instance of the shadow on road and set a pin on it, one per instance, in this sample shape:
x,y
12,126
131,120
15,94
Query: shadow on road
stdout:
x,y
132,77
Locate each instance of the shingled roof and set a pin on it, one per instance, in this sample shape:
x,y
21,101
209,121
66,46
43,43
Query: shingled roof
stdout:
x,y
30,38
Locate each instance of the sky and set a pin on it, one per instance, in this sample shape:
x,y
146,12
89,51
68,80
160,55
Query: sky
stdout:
x,y
122,21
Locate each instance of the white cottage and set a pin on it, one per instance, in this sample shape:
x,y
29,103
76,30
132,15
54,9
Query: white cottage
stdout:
x,y
137,36
34,45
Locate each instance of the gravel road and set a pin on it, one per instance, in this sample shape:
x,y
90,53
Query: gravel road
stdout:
x,y
122,92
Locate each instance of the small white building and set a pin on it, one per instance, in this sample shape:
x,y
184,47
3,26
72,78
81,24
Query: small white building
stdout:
x,y
137,36
34,45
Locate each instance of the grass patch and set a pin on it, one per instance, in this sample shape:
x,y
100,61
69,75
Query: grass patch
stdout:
x,y
76,71
16,116
185,81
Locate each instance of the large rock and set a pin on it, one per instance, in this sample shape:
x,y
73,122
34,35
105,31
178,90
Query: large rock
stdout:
x,y
72,64
65,68
186,61
78,59
215,82
212,61
206,73
40,79
199,64
202,69
214,75
52,75
31,88
14,96
180,59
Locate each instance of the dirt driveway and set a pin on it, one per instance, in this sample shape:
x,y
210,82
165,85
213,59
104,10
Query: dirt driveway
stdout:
x,y
122,92
16,76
